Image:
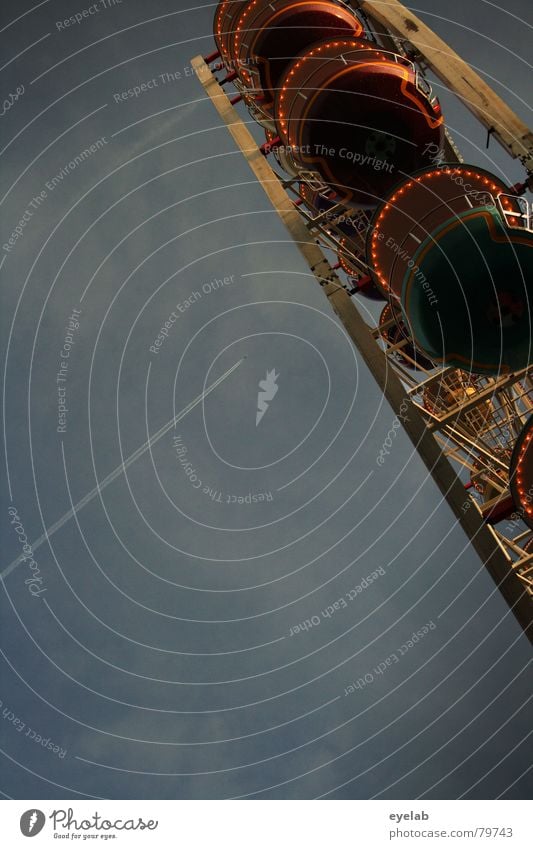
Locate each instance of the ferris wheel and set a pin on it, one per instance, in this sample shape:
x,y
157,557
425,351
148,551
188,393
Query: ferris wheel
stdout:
x,y
369,173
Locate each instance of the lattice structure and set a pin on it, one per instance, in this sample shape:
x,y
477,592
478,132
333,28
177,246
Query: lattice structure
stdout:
x,y
476,420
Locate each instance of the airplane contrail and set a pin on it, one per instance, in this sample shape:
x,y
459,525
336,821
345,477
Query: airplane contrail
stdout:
x,y
120,469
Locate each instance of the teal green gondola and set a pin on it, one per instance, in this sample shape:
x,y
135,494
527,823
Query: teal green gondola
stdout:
x,y
468,294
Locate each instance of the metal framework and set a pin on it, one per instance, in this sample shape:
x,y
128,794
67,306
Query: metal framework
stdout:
x,y
464,426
